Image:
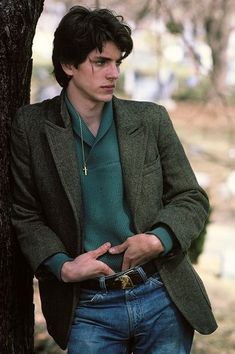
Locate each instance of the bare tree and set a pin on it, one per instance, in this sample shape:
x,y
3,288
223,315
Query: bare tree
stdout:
x,y
18,21
210,18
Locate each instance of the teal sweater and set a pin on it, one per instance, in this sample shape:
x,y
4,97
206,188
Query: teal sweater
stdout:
x,y
106,215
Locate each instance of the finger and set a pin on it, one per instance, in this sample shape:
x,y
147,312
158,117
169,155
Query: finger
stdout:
x,y
119,248
125,264
108,270
101,250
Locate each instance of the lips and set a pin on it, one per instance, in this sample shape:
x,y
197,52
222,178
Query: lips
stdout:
x,y
108,87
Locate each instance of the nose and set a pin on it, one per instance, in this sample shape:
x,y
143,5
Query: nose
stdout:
x,y
113,71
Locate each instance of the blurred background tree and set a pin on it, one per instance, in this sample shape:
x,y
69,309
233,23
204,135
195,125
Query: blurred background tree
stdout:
x,y
213,20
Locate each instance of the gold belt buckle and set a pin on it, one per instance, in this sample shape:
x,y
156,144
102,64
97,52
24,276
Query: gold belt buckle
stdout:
x,y
126,282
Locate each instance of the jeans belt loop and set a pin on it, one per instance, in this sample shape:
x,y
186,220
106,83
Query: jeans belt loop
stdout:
x,y
102,283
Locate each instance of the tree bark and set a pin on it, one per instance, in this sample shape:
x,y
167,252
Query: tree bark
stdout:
x,y
18,21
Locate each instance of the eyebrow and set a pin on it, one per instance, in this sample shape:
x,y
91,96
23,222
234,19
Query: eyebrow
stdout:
x,y
105,58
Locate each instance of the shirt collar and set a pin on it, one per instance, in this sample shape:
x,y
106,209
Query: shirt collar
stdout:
x,y
88,137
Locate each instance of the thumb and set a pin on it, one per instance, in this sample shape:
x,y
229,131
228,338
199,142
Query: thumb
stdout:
x,y
119,248
100,250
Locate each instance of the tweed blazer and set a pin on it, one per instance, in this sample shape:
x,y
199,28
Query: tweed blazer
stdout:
x,y
160,188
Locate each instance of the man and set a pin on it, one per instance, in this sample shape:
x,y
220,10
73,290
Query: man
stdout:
x,y
106,204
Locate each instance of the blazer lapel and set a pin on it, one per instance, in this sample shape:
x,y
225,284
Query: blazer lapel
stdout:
x,y
61,142
132,137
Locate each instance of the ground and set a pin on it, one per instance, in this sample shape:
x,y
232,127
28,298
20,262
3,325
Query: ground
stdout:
x,y
222,341
207,133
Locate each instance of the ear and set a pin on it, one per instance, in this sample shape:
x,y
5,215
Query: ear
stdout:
x,y
68,69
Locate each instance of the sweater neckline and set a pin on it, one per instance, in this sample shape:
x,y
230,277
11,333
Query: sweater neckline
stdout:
x,y
105,124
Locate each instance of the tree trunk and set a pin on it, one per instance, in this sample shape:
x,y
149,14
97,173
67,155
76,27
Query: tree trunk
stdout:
x,y
18,21
218,73
217,28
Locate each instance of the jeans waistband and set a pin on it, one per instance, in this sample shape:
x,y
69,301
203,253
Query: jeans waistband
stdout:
x,y
123,280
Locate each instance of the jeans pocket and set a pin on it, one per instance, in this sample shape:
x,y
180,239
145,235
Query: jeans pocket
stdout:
x,y
89,297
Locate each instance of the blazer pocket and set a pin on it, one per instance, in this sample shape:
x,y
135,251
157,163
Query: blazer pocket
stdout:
x,y
152,166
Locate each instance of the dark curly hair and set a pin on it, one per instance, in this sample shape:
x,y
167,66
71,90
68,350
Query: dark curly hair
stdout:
x,y
82,30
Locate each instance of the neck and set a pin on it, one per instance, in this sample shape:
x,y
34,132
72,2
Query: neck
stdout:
x,y
89,111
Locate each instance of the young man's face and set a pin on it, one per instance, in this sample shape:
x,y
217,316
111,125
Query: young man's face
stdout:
x,y
95,79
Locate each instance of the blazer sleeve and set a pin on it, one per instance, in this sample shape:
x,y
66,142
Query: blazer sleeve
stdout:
x,y
36,239
185,203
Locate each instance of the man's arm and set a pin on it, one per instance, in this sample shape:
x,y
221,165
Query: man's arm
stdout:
x,y
39,243
185,204
85,266
37,240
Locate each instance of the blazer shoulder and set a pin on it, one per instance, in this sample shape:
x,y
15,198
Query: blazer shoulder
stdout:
x,y
135,104
142,110
39,107
36,113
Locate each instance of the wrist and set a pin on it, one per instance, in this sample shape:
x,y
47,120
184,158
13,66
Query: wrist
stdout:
x,y
165,236
156,243
65,272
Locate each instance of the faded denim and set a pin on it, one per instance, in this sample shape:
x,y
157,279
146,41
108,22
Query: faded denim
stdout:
x,y
141,320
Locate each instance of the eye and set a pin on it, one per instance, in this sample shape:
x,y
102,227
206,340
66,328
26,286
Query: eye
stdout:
x,y
99,62
118,63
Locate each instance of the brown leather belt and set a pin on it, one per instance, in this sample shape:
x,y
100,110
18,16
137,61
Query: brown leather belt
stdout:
x,y
124,280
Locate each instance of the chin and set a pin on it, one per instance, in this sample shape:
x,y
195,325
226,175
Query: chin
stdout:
x,y
105,99
108,98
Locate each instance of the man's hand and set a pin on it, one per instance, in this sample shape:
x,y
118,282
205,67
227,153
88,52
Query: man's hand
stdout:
x,y
86,266
138,249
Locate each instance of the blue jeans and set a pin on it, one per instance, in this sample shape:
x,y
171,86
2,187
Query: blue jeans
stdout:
x,y
141,320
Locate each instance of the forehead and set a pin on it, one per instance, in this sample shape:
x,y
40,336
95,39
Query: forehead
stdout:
x,y
109,50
